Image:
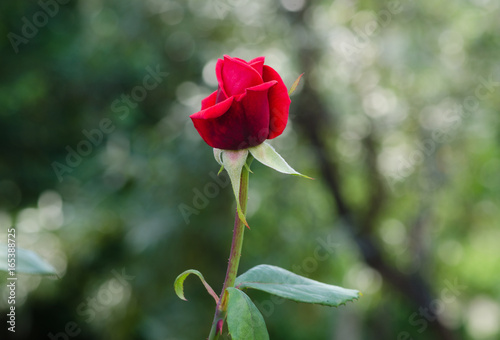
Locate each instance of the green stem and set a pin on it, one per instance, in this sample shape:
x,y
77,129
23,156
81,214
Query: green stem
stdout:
x,y
234,257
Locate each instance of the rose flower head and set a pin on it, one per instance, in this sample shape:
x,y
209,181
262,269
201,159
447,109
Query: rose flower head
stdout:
x,y
250,105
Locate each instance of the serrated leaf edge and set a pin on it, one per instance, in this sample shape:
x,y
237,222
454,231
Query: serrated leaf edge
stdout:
x,y
244,285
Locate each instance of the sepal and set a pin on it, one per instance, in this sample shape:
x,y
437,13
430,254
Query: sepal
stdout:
x,y
233,161
295,84
266,154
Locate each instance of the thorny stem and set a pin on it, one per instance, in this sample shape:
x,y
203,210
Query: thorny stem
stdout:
x,y
234,257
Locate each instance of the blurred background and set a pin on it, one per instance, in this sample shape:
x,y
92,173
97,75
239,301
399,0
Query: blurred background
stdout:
x,y
104,176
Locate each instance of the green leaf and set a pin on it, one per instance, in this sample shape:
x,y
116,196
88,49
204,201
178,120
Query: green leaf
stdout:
x,y
295,84
26,261
281,282
266,154
179,284
233,161
243,318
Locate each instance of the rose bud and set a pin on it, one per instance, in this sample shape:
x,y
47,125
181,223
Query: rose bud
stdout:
x,y
250,105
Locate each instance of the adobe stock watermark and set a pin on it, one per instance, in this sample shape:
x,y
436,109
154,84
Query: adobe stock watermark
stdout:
x,y
454,120
363,33
93,305
324,249
94,137
435,308
223,7
201,198
31,26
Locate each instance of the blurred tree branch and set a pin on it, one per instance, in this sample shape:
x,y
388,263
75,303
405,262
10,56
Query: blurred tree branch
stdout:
x,y
316,123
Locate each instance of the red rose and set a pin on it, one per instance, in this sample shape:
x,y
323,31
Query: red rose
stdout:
x,y
250,105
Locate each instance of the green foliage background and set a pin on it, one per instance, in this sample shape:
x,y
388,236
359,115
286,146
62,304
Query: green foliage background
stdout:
x,y
410,124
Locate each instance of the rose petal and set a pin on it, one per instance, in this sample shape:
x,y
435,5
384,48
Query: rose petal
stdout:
x,y
279,102
213,111
242,60
254,106
221,95
218,72
237,76
257,64
205,122
258,59
236,124
209,101
264,87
